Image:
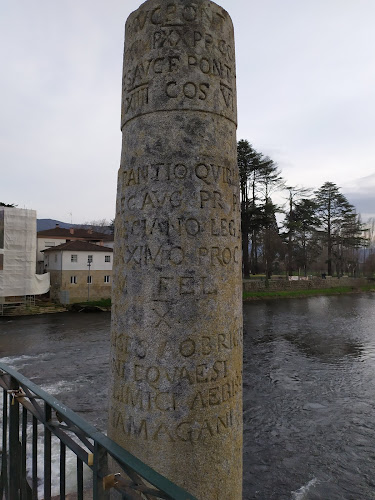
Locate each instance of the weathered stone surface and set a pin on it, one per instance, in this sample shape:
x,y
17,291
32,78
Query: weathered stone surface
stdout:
x,y
176,399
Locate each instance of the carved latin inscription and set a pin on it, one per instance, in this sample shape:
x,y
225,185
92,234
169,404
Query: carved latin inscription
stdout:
x,y
210,173
180,64
176,335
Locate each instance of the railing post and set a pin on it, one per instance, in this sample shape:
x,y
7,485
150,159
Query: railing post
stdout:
x,y
100,469
4,452
47,452
25,488
14,444
62,469
35,458
133,479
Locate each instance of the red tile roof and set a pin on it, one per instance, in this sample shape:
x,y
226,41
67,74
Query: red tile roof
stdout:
x,y
79,246
61,232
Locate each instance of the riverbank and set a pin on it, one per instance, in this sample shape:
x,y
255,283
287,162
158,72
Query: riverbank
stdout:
x,y
38,308
103,305
311,292
252,290
44,307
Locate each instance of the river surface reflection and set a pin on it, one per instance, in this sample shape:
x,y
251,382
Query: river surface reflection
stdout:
x,y
309,391
309,398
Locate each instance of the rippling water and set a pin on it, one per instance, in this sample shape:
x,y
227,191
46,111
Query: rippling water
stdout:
x,y
309,405
309,388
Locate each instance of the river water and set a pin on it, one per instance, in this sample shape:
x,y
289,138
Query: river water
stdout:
x,y
309,388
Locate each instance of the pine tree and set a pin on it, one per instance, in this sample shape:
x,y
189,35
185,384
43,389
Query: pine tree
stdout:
x,y
259,175
291,222
339,224
301,224
245,158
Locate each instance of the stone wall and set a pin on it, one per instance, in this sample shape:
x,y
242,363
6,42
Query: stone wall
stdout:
x,y
77,292
277,285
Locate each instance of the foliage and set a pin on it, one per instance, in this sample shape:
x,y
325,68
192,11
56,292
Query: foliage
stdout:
x,y
340,228
100,226
300,223
10,205
321,230
104,303
259,176
307,293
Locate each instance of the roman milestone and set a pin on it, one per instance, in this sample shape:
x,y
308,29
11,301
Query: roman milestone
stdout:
x,y
176,389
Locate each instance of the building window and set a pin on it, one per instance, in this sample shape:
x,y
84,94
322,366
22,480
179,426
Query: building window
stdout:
x,y
89,280
55,257
89,258
107,258
49,244
73,280
107,279
73,258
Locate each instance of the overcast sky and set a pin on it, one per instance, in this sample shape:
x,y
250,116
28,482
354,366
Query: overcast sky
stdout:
x,y
306,97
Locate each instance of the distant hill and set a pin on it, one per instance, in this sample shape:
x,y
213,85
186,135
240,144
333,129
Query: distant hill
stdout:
x,y
43,224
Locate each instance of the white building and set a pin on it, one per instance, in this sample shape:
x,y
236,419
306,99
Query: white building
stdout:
x,y
80,271
59,235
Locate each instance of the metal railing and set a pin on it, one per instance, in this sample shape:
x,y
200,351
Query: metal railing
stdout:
x,y
30,416
13,303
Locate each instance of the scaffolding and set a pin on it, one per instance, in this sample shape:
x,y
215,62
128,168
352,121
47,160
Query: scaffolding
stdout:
x,y
18,281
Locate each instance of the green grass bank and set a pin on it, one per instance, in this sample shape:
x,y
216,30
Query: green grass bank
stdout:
x,y
309,292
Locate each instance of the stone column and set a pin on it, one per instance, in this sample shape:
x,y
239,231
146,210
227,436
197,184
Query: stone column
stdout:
x,y
176,390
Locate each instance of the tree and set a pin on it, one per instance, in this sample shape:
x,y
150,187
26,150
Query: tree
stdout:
x,y
11,205
350,236
301,223
269,180
339,224
291,221
369,264
245,158
272,243
259,175
101,225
